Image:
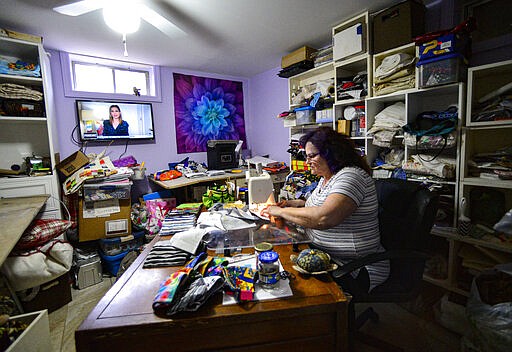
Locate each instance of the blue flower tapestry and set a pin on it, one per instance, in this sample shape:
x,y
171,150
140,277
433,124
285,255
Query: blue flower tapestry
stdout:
x,y
207,109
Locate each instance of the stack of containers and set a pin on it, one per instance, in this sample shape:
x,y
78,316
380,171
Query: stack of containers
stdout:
x,y
113,250
443,55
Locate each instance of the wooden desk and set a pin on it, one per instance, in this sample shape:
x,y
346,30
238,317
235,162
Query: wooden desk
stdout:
x,y
185,181
315,318
15,216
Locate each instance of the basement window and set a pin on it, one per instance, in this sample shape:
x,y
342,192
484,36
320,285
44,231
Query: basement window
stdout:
x,y
98,77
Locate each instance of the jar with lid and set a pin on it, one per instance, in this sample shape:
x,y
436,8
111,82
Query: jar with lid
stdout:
x,y
268,268
260,248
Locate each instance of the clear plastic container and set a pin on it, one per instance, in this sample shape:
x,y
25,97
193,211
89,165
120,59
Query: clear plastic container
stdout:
x,y
268,268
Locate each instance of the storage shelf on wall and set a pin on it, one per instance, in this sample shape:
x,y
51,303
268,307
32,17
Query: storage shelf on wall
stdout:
x,y
27,136
471,137
476,138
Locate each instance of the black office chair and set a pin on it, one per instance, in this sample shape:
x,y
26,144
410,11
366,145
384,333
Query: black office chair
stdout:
x,y
407,212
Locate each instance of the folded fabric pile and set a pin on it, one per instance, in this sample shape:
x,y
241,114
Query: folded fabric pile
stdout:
x,y
422,164
396,72
495,106
323,56
388,123
16,91
163,254
11,65
495,164
353,88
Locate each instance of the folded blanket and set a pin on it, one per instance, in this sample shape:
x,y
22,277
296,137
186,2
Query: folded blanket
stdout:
x,y
16,91
395,85
393,63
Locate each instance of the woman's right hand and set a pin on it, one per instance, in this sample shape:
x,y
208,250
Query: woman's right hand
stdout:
x,y
282,204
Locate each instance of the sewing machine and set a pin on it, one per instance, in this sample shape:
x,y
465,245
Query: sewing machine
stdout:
x,y
260,188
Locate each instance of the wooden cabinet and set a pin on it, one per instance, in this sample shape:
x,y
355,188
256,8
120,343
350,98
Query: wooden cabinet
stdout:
x,y
26,127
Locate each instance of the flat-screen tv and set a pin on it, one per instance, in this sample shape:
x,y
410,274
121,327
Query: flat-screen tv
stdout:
x,y
113,120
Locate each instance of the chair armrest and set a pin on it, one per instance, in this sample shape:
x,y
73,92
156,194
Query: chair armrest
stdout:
x,y
344,269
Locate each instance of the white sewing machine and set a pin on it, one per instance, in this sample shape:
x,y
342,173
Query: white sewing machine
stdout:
x,y
260,187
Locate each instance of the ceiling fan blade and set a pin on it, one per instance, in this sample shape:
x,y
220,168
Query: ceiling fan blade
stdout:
x,y
159,22
80,7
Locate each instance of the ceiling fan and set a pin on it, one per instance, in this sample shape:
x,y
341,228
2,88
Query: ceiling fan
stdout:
x,y
124,16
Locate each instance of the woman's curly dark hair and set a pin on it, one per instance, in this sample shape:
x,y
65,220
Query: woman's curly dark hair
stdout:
x,y
337,149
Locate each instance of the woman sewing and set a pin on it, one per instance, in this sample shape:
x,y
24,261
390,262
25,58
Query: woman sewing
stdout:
x,y
341,213
115,125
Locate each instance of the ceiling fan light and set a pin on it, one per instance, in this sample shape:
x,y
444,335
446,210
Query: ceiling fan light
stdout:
x,y
122,18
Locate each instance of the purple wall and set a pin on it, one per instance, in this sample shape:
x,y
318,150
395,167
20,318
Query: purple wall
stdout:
x,y
268,97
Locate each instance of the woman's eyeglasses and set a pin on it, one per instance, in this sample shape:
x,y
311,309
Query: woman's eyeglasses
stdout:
x,y
311,155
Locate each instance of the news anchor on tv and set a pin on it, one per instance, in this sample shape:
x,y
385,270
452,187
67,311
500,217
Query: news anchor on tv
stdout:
x,y
115,126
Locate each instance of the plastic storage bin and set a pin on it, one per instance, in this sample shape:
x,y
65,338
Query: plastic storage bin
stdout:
x,y
441,70
95,192
111,263
115,245
305,115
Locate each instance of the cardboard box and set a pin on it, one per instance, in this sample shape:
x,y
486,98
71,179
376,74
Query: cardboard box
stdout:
x,y
451,43
24,36
304,53
114,225
51,295
398,25
36,337
349,42
72,163
344,127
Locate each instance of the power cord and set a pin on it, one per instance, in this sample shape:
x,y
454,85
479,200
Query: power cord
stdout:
x,y
125,149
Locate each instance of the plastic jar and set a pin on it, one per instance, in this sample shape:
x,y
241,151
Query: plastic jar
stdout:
x,y
268,268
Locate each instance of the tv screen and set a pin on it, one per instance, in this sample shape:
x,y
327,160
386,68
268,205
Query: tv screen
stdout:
x,y
109,120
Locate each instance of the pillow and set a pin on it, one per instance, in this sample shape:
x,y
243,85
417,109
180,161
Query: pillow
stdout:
x,y
41,231
38,266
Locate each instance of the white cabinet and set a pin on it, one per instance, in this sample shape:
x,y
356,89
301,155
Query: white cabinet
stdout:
x,y
26,127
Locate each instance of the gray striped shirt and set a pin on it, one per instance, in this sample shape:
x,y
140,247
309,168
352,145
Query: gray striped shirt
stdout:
x,y
358,234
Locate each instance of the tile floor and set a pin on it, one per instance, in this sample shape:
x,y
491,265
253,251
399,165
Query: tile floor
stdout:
x,y
397,325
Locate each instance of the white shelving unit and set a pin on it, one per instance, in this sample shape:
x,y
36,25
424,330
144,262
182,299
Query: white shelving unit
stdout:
x,y
472,137
477,137
324,73
26,136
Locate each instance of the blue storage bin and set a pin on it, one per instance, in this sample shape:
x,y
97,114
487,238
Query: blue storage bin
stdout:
x,y
111,263
115,245
305,115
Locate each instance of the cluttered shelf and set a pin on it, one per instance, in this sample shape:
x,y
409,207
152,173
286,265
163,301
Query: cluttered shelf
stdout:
x,y
487,241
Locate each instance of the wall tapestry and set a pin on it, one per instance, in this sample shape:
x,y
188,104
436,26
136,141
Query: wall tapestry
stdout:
x,y
205,109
